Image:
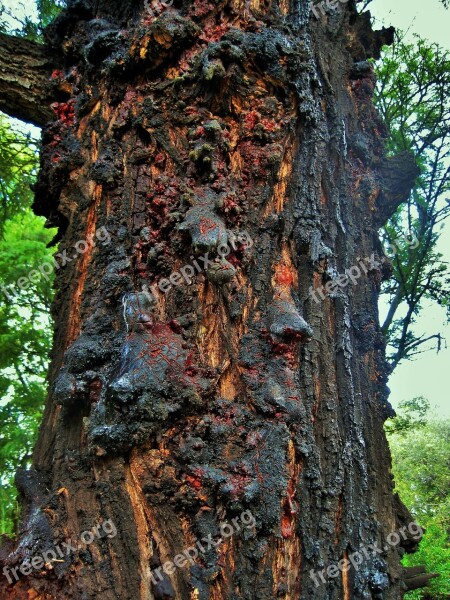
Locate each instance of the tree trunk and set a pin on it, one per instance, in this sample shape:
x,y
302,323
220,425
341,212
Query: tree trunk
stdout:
x,y
237,394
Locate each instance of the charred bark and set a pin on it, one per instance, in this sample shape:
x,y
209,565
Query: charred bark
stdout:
x,y
245,387
25,69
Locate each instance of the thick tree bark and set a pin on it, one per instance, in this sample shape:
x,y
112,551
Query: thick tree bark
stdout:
x,y
25,68
242,391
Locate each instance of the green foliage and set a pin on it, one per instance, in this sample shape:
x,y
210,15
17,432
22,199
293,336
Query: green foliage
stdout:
x,y
412,415
421,461
47,10
413,96
17,170
25,328
25,325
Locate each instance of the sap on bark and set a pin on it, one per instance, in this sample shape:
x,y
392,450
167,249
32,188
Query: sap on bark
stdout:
x,y
285,321
221,272
65,112
158,374
205,227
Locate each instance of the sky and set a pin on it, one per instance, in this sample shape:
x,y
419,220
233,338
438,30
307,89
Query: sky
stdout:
x,y
428,18
429,374
19,8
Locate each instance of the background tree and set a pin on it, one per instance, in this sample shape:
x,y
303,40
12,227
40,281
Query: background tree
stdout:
x,y
412,415
413,96
25,327
25,322
30,27
420,453
18,167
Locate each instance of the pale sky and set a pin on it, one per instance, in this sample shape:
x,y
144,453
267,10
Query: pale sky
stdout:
x,y
429,374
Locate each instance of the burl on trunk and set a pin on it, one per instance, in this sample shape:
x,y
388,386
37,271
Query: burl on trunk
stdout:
x,y
218,387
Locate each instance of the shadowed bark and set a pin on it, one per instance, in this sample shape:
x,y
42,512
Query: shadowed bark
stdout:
x,y
239,140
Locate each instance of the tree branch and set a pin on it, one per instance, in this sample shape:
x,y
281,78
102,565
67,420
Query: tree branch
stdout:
x,y
397,176
415,577
25,68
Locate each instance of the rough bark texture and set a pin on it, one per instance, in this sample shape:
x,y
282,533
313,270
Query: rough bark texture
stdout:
x,y
240,391
25,68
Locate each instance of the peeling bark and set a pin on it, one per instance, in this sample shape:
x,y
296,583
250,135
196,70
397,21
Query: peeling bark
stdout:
x,y
25,68
171,413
